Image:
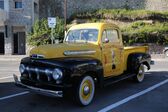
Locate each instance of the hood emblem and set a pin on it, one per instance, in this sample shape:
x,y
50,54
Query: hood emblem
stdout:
x,y
38,56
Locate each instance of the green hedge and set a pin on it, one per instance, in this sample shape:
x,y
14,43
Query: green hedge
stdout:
x,y
140,32
123,14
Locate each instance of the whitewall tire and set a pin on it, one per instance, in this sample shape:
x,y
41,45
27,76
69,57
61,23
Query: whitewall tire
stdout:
x,y
140,73
85,91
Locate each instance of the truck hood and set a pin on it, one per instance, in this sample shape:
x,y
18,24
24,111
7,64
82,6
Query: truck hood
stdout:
x,y
65,50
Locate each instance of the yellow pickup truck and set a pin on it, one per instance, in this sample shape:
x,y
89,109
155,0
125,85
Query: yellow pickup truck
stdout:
x,y
91,56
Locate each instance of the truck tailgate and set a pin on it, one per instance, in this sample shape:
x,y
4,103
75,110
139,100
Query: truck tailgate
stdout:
x,y
133,49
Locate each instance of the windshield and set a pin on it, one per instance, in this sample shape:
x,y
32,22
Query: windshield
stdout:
x,y
82,35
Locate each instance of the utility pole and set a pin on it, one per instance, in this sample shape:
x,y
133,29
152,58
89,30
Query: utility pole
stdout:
x,y
65,15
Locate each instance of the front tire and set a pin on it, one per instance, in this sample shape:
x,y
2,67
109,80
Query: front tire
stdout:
x,y
85,91
140,74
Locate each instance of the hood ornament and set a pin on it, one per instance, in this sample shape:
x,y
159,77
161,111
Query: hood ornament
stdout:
x,y
37,56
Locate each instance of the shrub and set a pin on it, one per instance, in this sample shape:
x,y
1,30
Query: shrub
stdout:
x,y
41,33
140,32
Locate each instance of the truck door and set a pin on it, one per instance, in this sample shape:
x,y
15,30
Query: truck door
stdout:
x,y
117,49
106,54
112,51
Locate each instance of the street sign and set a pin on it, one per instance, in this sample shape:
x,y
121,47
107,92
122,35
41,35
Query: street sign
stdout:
x,y
51,22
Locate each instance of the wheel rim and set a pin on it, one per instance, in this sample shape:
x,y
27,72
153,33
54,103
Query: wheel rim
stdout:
x,y
86,91
140,75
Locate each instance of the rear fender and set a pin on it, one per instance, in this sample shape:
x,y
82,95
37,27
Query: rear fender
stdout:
x,y
136,59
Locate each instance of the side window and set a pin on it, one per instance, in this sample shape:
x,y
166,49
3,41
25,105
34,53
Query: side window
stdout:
x,y
110,36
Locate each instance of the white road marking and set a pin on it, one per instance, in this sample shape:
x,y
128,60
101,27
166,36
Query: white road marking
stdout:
x,y
112,106
2,78
14,95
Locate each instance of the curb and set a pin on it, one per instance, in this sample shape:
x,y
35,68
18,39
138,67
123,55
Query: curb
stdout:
x,y
12,58
160,59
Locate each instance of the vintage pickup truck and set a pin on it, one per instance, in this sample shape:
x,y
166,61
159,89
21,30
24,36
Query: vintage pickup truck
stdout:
x,y
91,56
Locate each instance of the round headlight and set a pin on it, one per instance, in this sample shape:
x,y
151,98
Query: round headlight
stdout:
x,y
57,74
22,68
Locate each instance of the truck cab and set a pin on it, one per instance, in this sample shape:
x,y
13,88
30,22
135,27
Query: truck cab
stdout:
x,y
92,55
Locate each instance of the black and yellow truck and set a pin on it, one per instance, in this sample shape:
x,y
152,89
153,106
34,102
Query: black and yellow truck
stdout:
x,y
91,56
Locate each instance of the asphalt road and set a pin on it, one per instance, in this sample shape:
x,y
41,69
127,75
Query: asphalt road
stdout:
x,y
125,96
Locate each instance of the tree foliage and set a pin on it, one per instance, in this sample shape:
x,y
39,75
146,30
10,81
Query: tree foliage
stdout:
x,y
41,33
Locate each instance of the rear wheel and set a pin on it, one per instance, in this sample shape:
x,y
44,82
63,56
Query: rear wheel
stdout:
x,y
85,91
140,74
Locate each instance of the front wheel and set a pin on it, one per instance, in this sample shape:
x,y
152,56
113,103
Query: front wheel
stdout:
x,y
140,74
85,91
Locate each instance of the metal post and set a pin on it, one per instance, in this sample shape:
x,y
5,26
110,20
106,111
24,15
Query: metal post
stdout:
x,y
52,36
65,14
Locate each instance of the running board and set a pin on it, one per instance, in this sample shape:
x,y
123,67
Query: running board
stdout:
x,y
115,79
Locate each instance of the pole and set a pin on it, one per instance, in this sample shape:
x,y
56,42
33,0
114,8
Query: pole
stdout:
x,y
65,14
52,36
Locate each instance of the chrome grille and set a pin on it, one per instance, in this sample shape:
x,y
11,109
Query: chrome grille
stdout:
x,y
39,74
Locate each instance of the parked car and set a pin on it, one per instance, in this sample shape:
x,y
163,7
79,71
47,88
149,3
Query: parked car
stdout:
x,y
92,55
165,51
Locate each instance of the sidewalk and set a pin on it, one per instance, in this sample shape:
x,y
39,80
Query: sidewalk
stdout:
x,y
11,57
159,57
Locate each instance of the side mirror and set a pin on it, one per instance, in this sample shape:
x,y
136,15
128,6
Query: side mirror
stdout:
x,y
106,40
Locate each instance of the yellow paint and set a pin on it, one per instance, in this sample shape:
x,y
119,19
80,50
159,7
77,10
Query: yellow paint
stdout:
x,y
103,51
57,50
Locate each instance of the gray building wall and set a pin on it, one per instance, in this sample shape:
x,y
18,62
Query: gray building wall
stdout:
x,y
20,21
24,16
56,7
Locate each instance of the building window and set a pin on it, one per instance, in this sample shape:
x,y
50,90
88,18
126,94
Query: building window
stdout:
x,y
35,7
1,4
18,4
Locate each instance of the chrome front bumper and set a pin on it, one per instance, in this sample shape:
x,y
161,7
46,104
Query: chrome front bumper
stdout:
x,y
38,90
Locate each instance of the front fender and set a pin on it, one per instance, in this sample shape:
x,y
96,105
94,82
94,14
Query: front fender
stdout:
x,y
92,67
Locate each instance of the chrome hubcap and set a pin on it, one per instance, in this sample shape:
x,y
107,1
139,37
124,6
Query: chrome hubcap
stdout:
x,y
140,72
140,75
86,90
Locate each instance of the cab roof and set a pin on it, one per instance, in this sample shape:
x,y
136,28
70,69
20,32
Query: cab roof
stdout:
x,y
91,25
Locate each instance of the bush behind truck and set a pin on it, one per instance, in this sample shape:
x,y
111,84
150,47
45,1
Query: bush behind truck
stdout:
x,y
91,56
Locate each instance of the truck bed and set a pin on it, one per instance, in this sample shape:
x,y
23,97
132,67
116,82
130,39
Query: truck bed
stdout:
x,y
133,49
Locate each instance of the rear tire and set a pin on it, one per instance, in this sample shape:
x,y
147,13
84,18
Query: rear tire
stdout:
x,y
85,91
140,74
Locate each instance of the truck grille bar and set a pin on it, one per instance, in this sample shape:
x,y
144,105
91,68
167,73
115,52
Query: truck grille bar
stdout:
x,y
39,74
